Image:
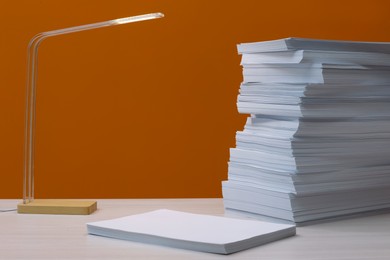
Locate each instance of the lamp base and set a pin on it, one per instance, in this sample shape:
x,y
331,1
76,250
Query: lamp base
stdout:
x,y
57,206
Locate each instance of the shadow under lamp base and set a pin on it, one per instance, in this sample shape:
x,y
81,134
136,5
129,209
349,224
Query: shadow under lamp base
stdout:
x,y
58,206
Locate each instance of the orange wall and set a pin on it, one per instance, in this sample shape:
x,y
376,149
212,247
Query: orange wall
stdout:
x,y
145,110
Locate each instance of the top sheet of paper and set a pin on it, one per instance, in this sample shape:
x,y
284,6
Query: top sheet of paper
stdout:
x,y
191,227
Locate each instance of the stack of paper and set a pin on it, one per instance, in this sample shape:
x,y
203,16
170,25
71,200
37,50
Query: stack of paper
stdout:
x,y
317,143
192,231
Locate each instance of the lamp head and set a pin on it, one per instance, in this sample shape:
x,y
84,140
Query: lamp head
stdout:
x,y
137,18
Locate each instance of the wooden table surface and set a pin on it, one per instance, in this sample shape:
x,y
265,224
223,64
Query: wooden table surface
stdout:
x,y
25,236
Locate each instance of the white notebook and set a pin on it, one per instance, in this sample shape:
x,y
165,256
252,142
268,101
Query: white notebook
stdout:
x,y
205,233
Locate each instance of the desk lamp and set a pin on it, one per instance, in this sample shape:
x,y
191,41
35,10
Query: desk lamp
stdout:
x,y
53,206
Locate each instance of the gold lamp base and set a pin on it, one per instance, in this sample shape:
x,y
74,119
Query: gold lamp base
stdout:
x,y
56,206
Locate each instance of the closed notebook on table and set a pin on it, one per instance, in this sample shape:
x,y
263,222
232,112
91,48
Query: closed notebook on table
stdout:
x,y
197,232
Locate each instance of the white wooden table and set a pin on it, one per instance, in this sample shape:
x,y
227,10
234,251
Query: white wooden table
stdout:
x,y
65,237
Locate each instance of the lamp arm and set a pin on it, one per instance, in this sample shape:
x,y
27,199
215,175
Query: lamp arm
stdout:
x,y
32,69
